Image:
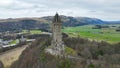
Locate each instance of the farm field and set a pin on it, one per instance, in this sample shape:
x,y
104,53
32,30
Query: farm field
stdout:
x,y
104,34
31,31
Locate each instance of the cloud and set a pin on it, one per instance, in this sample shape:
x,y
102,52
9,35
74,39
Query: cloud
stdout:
x,y
5,2
103,9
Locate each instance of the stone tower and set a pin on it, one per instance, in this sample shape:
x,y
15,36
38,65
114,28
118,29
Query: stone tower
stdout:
x,y
57,42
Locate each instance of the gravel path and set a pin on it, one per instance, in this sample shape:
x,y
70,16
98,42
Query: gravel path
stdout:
x,y
10,56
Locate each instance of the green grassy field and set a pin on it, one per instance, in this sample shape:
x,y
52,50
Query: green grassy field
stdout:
x,y
31,31
13,42
35,31
105,34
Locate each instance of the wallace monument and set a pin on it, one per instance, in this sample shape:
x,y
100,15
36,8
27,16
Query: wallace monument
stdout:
x,y
57,43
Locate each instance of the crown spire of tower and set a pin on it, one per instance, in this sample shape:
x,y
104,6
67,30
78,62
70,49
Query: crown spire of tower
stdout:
x,y
56,18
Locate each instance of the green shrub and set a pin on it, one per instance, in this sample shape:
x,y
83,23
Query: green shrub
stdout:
x,y
70,51
65,63
91,66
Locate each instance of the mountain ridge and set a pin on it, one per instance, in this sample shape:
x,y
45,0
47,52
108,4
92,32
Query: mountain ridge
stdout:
x,y
11,24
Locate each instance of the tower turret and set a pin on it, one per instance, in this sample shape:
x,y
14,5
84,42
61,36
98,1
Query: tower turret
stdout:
x,y
57,18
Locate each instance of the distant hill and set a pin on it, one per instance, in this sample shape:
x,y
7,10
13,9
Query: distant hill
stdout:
x,y
111,22
44,22
77,21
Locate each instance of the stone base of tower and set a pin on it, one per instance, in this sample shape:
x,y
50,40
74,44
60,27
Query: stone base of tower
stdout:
x,y
56,48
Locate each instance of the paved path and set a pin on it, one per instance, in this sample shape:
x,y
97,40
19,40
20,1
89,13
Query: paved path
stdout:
x,y
10,56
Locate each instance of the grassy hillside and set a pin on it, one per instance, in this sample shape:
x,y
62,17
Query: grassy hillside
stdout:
x,y
106,34
89,55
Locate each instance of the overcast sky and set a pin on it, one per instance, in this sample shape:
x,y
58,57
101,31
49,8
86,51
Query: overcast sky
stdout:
x,y
103,9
